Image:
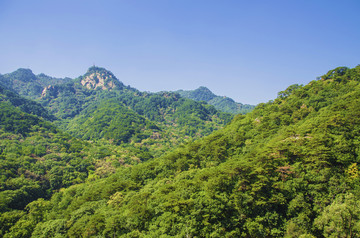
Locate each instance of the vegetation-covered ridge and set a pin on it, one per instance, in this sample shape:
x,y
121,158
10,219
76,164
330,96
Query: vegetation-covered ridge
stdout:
x,y
99,106
224,104
287,169
26,83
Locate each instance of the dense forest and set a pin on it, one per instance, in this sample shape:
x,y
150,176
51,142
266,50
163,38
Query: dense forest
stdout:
x,y
289,168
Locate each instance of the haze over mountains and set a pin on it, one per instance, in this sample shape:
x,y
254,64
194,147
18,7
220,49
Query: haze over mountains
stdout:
x,y
91,157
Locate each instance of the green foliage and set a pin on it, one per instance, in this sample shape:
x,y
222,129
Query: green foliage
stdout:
x,y
110,120
36,160
341,217
15,121
24,105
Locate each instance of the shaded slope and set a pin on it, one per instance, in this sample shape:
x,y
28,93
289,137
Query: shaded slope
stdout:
x,y
25,105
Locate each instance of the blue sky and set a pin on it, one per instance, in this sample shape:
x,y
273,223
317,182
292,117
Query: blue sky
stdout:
x,y
246,50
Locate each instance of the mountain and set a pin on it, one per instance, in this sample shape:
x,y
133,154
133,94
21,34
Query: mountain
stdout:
x,y
97,106
26,83
24,104
289,168
224,104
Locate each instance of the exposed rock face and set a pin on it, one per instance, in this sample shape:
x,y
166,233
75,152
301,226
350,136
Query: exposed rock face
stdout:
x,y
50,90
99,77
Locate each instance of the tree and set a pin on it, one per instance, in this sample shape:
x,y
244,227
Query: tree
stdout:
x,y
341,217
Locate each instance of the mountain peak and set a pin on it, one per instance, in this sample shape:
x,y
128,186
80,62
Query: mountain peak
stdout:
x,y
221,103
25,75
203,88
96,69
97,77
200,94
205,93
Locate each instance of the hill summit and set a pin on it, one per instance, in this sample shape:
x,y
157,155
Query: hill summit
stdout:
x,y
97,77
24,75
200,94
221,103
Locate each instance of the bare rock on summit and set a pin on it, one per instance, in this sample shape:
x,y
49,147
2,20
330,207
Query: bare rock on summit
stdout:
x,y
100,78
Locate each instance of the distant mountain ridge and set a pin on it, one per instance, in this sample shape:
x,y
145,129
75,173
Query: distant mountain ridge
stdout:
x,y
221,103
26,83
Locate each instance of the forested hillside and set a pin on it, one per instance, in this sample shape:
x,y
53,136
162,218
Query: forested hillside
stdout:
x,y
28,106
287,169
37,159
223,104
26,83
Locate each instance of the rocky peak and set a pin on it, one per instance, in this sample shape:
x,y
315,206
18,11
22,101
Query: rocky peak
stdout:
x,y
97,77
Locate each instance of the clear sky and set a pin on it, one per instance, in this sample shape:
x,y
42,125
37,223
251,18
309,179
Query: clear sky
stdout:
x,y
246,50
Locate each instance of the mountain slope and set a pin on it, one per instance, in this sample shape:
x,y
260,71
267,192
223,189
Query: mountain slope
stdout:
x,y
37,159
224,104
111,120
24,104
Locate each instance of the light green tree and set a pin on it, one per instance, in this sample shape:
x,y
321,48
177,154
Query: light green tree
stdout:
x,y
341,217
